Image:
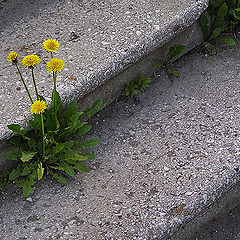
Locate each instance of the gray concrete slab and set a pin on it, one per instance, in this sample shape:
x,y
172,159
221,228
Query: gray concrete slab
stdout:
x,y
99,40
163,160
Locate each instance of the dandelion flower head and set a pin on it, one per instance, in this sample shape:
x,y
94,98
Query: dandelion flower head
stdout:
x,y
12,57
51,45
38,107
30,60
55,65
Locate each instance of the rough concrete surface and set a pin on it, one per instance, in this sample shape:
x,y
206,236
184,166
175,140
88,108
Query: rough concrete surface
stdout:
x,y
99,39
163,159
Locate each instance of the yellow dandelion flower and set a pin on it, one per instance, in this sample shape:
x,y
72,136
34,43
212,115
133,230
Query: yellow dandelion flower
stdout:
x,y
30,60
55,65
51,45
12,57
38,107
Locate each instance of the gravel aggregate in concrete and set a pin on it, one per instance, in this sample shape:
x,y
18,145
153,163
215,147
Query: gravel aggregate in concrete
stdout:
x,y
163,158
98,40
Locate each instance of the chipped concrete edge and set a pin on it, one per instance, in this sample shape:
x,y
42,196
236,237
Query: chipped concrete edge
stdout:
x,y
139,59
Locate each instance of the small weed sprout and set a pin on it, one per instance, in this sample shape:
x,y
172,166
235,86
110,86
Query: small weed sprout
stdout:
x,y
173,52
136,86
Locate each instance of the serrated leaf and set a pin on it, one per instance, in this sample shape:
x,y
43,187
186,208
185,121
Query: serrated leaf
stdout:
x,y
95,108
216,3
57,167
52,124
90,143
36,122
83,130
57,149
172,71
222,11
69,144
73,125
160,63
13,154
40,171
79,157
15,140
31,143
75,155
17,129
127,92
228,41
27,189
177,51
71,109
216,32
81,167
25,171
14,174
21,183
4,176
236,13
58,177
26,156
206,44
224,26
90,156
170,51
67,168
230,11
204,25
97,105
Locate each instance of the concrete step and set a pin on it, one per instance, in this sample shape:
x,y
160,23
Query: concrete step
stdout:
x,y
103,43
167,163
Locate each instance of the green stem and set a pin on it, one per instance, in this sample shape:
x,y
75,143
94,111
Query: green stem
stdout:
x,y
35,86
43,140
51,55
24,83
55,91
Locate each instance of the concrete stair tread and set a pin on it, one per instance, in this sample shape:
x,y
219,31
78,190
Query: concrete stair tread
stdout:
x,y
98,41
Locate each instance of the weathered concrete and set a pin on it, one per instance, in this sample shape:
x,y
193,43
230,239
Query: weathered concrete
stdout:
x,y
165,160
99,41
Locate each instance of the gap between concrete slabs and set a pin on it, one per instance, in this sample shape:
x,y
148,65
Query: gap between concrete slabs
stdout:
x,y
108,71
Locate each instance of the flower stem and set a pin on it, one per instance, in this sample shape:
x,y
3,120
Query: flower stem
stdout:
x,y
51,55
54,91
24,83
43,136
35,86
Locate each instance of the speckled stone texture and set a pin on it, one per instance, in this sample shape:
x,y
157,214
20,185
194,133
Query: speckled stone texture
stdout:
x,y
99,39
163,160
